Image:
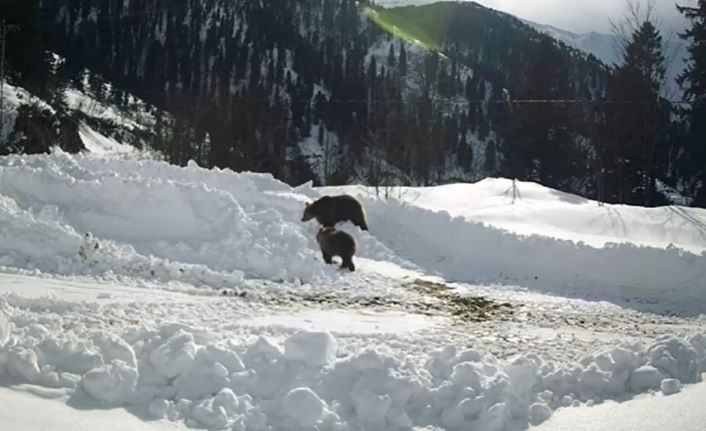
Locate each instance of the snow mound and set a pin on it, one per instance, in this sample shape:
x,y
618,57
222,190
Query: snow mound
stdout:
x,y
180,375
149,220
312,348
539,210
303,406
77,215
4,329
670,387
465,251
677,358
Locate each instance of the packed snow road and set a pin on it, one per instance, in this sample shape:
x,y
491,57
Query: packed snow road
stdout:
x,y
200,297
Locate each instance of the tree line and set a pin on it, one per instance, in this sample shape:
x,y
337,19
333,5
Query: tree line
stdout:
x,y
246,83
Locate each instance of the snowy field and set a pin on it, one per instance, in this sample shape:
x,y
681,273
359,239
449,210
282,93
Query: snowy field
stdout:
x,y
160,297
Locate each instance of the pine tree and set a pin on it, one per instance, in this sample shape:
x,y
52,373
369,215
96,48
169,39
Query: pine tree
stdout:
x,y
642,117
490,164
25,49
693,81
391,59
403,60
540,147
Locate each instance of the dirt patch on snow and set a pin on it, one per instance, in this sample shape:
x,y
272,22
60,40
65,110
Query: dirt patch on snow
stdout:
x,y
436,299
464,308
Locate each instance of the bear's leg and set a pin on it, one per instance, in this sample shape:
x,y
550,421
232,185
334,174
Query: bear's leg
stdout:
x,y
327,258
347,262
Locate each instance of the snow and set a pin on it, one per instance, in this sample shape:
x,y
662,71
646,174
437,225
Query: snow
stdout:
x,y
670,386
316,349
14,97
19,412
99,144
683,411
82,102
303,406
124,123
543,211
345,322
219,228
656,251
183,376
4,329
199,297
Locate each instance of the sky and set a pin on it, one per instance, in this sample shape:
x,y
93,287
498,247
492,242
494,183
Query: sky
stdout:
x,y
582,16
579,16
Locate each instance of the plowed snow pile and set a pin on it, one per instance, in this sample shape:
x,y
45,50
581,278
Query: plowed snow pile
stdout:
x,y
148,219
175,372
540,210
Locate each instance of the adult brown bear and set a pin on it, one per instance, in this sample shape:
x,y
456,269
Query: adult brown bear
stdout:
x,y
330,210
337,243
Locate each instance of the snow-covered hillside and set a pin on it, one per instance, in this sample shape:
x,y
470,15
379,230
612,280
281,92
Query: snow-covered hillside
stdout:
x,y
200,297
14,98
102,127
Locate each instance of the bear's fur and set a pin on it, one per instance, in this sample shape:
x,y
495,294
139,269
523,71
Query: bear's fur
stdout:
x,y
330,210
335,242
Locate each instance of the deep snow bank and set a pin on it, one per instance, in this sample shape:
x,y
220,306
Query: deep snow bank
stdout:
x,y
154,220
465,251
539,210
19,413
171,371
683,412
148,218
462,250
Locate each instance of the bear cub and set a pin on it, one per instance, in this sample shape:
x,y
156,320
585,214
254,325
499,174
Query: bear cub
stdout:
x,y
335,242
330,210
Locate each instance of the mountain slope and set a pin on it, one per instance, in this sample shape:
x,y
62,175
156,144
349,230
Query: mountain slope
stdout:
x,y
319,72
602,46
78,119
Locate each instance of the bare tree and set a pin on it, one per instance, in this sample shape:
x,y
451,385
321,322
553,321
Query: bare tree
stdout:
x,y
378,167
326,154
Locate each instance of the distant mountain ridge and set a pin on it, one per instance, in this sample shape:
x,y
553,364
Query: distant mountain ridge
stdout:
x,y
604,47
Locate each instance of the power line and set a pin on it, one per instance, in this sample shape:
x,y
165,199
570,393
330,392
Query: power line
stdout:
x,y
487,102
449,101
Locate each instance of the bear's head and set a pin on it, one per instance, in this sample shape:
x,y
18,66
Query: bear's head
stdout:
x,y
312,209
309,212
324,232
